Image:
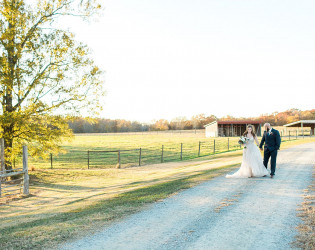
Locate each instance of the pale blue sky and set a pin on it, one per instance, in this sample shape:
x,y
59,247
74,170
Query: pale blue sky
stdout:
x,y
170,58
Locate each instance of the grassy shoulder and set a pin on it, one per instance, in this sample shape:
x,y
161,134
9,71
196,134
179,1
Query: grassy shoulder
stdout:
x,y
306,230
68,204
39,232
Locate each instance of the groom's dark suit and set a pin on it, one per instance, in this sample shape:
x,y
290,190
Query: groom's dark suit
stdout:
x,y
272,142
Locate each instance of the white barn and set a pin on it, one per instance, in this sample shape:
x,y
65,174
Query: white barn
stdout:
x,y
230,128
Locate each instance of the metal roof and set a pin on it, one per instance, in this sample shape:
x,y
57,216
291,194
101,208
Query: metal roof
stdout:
x,y
305,122
234,122
240,122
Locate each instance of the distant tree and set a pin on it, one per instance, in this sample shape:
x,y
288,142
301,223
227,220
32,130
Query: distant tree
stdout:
x,y
88,125
228,117
288,116
161,125
209,119
136,126
44,71
199,121
178,123
188,125
308,114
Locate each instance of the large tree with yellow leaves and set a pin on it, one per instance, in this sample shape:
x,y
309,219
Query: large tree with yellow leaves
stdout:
x,y
45,74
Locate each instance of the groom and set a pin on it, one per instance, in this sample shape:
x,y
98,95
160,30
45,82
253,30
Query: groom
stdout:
x,y
272,141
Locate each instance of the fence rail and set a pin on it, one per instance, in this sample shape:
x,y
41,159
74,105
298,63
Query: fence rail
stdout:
x,y
11,186
296,132
144,155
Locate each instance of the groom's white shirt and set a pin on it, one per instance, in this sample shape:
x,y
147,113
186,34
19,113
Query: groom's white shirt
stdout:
x,y
270,131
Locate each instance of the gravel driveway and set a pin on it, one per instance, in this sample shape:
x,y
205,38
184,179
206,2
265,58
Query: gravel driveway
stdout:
x,y
252,213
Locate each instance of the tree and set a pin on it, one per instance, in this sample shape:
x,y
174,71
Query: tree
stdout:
x,y
161,125
45,74
178,123
200,120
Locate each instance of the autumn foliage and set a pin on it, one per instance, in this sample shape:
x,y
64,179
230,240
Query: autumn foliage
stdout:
x,y
83,125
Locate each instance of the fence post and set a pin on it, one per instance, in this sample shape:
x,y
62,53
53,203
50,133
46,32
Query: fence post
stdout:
x,y
181,151
295,134
51,161
228,144
118,164
140,157
289,135
88,159
2,162
213,146
162,156
25,169
2,155
199,150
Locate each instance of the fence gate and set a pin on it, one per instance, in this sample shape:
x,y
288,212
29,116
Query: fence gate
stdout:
x,y
12,186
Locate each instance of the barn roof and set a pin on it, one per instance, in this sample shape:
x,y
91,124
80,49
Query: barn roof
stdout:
x,y
299,123
240,122
234,122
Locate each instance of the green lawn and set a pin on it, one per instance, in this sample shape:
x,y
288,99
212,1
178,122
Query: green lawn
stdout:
x,y
77,156
68,204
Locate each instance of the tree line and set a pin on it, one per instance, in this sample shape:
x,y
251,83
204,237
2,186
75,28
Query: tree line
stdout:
x,y
88,125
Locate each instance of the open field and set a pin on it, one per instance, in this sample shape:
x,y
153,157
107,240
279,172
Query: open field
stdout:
x,y
67,204
64,204
87,150
92,146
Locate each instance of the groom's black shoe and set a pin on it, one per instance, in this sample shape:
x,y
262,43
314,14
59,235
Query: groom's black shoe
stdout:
x,y
271,176
264,175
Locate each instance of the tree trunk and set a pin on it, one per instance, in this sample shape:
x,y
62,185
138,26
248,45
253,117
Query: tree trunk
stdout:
x,y
8,146
8,110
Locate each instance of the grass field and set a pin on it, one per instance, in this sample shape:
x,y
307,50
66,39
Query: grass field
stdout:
x,y
77,154
66,204
70,203
88,150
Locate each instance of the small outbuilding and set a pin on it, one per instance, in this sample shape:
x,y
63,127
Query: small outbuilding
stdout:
x,y
230,128
302,124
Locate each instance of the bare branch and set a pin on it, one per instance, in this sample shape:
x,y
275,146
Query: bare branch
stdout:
x,y
31,86
40,21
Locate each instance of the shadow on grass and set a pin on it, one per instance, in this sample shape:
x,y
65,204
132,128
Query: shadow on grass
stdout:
x,y
57,228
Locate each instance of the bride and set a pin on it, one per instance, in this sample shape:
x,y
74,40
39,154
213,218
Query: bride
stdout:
x,y
252,164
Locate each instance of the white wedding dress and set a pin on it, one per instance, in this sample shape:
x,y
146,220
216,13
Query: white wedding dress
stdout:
x,y
252,164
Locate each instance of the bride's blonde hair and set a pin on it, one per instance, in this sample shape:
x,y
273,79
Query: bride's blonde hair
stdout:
x,y
253,130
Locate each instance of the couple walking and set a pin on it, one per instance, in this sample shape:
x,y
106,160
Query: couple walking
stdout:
x,y
252,164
